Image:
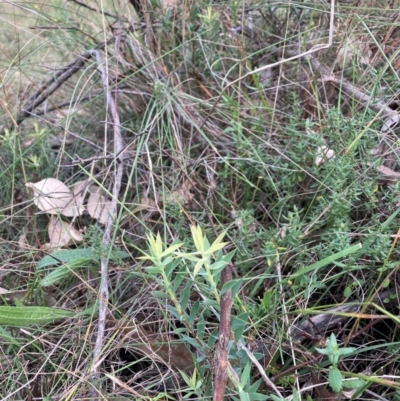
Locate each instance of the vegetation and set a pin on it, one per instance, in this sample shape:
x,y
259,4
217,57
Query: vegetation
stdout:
x,y
199,200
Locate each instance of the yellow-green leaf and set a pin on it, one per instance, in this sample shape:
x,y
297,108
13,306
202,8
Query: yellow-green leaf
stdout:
x,y
171,249
197,235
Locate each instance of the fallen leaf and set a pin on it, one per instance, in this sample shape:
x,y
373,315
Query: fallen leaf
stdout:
x,y
145,204
389,173
99,207
61,234
390,123
181,195
355,46
54,197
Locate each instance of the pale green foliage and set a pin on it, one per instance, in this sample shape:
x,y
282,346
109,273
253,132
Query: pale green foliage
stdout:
x,y
179,272
334,354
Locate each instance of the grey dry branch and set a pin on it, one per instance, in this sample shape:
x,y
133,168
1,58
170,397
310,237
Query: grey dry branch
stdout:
x,y
51,86
111,103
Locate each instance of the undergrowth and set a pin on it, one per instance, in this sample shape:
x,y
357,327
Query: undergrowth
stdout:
x,y
277,189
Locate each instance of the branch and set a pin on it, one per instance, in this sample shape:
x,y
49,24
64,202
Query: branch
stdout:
x,y
118,147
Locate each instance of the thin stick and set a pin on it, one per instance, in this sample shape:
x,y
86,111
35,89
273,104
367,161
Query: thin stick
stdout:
x,y
118,147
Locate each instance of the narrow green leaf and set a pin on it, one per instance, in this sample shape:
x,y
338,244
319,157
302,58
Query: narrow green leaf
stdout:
x,y
153,269
177,282
197,238
326,261
184,298
257,397
160,294
218,266
346,351
233,285
193,312
170,250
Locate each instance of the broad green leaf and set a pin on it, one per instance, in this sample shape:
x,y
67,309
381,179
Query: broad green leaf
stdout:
x,y
21,316
66,256
354,383
335,379
78,257
56,275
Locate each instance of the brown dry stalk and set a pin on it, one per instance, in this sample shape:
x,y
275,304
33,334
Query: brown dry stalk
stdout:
x,y
221,359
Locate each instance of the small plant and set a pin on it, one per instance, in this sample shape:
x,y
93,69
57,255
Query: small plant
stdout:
x,y
184,273
334,354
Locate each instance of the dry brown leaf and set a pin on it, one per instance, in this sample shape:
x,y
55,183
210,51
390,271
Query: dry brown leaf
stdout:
x,y
355,46
145,204
54,197
388,173
390,123
61,234
169,4
181,195
99,207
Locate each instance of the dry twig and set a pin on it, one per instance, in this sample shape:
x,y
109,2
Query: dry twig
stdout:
x,y
118,147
